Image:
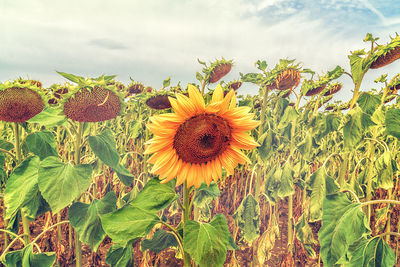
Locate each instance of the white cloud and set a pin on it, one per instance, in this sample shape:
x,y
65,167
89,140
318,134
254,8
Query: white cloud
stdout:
x,y
155,39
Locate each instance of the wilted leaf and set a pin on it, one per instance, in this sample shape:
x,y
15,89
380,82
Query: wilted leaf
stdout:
x,y
247,217
161,240
120,256
321,185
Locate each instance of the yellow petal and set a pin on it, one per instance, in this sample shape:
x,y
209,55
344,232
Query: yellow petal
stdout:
x,y
243,140
178,109
182,176
232,105
218,94
196,98
227,100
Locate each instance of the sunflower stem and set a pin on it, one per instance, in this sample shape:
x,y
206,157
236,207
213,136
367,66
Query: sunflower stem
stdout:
x,y
25,222
186,216
77,159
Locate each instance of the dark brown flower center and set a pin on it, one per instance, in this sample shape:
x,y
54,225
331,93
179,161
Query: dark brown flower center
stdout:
x,y
202,138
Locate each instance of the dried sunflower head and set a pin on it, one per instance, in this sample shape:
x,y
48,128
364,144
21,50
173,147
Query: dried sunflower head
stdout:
x,y
92,100
20,100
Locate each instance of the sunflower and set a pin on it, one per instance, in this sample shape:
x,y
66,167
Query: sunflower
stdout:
x,y
197,141
20,100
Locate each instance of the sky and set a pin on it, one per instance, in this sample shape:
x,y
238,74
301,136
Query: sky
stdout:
x,y
149,41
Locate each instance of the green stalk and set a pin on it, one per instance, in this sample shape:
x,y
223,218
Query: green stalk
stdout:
x,y
290,204
186,215
371,155
77,159
343,169
25,222
388,218
260,132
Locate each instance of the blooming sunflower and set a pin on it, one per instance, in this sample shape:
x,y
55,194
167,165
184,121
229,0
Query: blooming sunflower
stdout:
x,y
196,141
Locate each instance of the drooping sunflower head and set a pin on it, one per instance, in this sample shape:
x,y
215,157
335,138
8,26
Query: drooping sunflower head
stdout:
x,y
21,100
394,85
92,100
333,89
310,87
159,100
217,70
234,85
386,54
134,88
284,76
196,141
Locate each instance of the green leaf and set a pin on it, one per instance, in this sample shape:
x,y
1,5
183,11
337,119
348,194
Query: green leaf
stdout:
x,y
61,183
22,186
154,196
268,142
72,77
392,122
26,258
288,117
355,127
42,144
326,125
160,241
123,174
305,235
356,65
6,145
205,194
371,252
335,73
167,82
104,147
207,243
321,185
120,256
36,206
306,147
199,77
128,223
368,102
49,117
261,65
134,131
85,218
343,223
286,187
384,169
247,217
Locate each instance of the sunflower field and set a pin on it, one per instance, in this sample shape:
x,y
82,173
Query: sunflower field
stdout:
x,y
97,173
